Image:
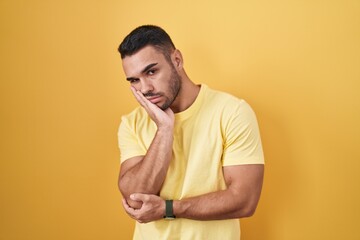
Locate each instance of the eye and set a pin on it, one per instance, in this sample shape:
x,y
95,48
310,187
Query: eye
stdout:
x,y
151,72
133,80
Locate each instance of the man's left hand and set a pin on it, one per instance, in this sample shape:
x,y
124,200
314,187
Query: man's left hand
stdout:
x,y
153,207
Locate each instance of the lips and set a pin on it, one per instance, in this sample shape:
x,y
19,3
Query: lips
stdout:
x,y
154,99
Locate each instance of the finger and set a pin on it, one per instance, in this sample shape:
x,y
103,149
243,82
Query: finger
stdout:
x,y
144,101
140,197
139,96
124,202
154,111
127,208
169,112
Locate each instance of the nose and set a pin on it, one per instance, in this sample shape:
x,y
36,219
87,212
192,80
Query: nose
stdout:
x,y
146,87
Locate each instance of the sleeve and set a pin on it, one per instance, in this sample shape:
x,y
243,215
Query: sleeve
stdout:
x,y
242,142
128,141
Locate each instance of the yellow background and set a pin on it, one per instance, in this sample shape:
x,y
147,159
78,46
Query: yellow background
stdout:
x,y
63,92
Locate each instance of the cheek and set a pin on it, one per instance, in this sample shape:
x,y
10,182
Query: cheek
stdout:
x,y
167,78
159,80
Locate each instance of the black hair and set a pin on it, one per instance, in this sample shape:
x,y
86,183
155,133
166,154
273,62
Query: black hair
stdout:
x,y
146,35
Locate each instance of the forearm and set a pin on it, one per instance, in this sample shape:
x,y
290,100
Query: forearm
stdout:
x,y
244,183
148,175
218,205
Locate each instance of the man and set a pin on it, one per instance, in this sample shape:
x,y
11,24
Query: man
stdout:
x,y
189,153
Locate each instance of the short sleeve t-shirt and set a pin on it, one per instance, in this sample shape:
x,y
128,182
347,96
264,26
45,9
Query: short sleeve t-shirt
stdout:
x,y
217,130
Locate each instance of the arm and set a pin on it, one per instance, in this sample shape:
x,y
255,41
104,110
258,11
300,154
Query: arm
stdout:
x,y
244,183
146,174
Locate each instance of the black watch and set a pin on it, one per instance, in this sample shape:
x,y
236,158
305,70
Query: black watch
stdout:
x,y
169,214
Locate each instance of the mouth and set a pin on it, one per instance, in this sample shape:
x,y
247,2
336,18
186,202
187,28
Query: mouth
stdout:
x,y
154,99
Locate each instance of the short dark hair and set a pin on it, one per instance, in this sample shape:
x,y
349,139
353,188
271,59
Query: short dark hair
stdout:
x,y
146,35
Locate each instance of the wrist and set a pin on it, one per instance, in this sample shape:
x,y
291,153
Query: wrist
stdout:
x,y
165,132
169,213
180,208
165,129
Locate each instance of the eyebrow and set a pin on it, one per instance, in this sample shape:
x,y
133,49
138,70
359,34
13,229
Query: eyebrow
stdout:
x,y
143,71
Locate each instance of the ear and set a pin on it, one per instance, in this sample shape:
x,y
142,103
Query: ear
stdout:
x,y
178,59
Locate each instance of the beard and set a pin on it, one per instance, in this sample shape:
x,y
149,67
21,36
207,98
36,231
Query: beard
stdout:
x,y
174,89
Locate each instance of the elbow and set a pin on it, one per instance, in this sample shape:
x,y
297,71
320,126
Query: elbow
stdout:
x,y
247,210
248,205
123,188
125,192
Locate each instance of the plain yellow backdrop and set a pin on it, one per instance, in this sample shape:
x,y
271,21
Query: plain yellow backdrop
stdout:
x,y
63,92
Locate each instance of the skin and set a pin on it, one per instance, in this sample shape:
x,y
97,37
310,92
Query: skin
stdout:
x,y
163,88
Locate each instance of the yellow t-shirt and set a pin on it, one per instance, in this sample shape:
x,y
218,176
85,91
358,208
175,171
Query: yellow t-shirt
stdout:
x,y
216,130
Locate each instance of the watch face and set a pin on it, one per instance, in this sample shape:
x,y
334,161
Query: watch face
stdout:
x,y
170,217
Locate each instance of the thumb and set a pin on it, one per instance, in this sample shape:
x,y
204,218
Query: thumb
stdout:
x,y
140,197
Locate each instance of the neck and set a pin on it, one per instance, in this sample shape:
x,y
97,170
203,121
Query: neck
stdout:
x,y
187,95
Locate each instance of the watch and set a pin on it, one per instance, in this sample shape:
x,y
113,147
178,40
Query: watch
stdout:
x,y
169,214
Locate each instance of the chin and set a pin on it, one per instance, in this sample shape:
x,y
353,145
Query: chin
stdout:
x,y
164,106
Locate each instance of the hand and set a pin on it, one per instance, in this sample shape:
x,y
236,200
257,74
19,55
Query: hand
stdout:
x,y
162,118
153,208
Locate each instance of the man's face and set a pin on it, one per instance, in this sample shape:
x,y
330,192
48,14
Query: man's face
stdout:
x,y
149,72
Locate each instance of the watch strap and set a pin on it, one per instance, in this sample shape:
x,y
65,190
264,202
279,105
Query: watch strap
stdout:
x,y
169,214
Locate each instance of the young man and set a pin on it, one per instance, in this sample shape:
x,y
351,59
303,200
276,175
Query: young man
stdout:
x,y
188,153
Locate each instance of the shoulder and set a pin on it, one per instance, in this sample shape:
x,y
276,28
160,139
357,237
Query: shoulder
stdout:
x,y
135,117
223,100
229,109
137,113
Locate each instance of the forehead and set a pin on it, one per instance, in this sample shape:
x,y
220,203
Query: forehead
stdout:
x,y
135,63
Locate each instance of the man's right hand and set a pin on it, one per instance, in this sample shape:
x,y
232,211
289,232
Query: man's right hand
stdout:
x,y
146,174
164,119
